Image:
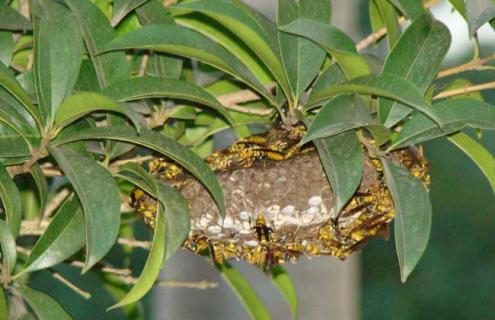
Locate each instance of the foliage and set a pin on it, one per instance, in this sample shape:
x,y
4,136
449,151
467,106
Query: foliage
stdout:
x,y
85,84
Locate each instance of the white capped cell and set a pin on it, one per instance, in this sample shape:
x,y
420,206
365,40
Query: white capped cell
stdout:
x,y
307,218
313,210
244,215
228,222
315,201
246,225
245,231
289,210
214,229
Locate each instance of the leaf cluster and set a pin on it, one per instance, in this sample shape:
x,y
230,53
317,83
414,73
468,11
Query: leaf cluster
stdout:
x,y
89,87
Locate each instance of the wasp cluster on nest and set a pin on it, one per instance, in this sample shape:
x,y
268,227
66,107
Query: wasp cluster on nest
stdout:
x,y
279,202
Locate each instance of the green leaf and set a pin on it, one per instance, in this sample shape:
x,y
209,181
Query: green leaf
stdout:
x,y
243,25
64,236
342,159
383,15
480,156
229,41
478,13
4,308
385,85
286,287
45,307
301,57
96,30
41,184
83,103
412,9
10,19
148,87
177,218
11,200
244,291
10,84
159,143
187,43
413,216
455,114
343,113
7,45
7,243
336,42
122,8
151,269
330,77
177,212
12,144
159,64
57,51
460,6
99,197
416,57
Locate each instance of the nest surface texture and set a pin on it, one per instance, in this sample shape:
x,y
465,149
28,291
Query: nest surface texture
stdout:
x,y
279,202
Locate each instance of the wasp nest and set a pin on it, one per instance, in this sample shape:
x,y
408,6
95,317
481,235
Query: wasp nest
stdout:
x,y
279,210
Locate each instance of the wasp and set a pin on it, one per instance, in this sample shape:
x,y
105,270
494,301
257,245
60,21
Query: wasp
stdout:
x,y
216,252
263,232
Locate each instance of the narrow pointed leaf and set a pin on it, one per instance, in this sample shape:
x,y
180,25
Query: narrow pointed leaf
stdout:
x,y
413,216
149,87
230,42
151,269
11,200
417,58
301,57
13,145
7,244
99,197
284,283
244,291
343,113
10,19
336,42
385,85
244,25
64,236
384,15
186,43
57,55
343,161
10,84
455,114
480,156
122,8
83,103
45,307
159,143
41,184
7,44
96,30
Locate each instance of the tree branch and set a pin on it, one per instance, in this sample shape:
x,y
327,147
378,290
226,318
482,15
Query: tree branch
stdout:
x,y
465,90
475,64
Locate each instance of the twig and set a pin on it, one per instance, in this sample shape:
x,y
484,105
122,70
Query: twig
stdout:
x,y
375,36
202,285
465,90
231,101
134,243
104,268
86,295
476,64
36,228
138,159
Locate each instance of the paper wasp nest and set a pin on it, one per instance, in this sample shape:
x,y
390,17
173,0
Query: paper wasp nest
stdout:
x,y
279,207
